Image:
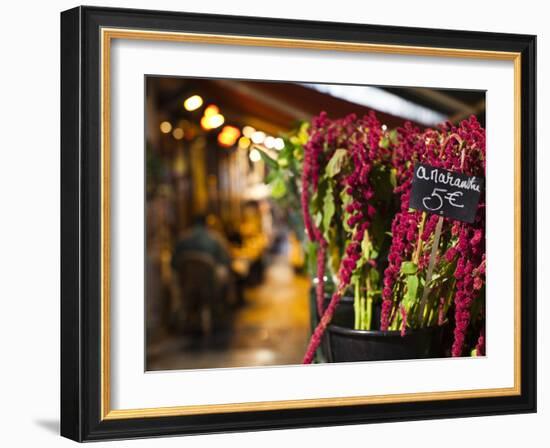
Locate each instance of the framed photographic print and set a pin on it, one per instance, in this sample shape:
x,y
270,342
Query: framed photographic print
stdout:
x,y
274,224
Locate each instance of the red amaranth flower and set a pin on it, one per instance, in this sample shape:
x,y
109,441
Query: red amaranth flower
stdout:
x,y
346,269
363,145
313,154
458,148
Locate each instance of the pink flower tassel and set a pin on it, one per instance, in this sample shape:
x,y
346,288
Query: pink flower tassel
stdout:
x,y
317,336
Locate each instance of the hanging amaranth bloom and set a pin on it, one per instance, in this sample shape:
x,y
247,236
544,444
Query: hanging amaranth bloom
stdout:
x,y
362,146
347,266
470,270
313,151
454,148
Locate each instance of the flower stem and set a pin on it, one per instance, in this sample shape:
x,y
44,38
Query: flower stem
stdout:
x,y
369,313
357,307
418,249
362,312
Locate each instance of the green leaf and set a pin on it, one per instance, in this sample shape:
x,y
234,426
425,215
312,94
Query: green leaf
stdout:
x,y
318,197
269,161
303,135
329,208
281,161
412,288
384,142
278,188
374,277
318,218
366,246
311,255
271,176
373,253
393,177
408,268
336,162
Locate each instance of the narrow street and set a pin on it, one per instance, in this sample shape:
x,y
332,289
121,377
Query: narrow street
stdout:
x,y
271,328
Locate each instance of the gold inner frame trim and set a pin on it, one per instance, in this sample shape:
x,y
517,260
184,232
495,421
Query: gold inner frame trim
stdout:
x,y
107,35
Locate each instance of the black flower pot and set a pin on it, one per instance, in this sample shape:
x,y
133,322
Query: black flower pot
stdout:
x,y
343,316
344,344
341,343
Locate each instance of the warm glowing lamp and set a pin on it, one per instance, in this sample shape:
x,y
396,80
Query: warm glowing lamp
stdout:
x,y
279,144
178,133
228,136
244,142
165,127
258,137
192,103
255,155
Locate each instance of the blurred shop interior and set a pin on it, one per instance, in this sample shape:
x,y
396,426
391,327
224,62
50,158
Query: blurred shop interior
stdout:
x,y
225,280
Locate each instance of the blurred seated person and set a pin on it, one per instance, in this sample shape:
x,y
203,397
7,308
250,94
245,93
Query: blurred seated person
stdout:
x,y
254,242
203,265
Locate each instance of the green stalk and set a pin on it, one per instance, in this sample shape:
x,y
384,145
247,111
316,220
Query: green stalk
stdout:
x,y
363,313
356,306
361,302
396,321
366,282
369,313
360,313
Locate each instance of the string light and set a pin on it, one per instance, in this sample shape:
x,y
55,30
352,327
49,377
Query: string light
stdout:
x,y
178,133
244,142
165,127
269,142
212,122
212,118
255,155
279,144
258,137
211,110
228,136
248,131
192,103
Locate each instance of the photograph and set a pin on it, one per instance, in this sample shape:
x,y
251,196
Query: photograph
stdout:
x,y
277,224
295,223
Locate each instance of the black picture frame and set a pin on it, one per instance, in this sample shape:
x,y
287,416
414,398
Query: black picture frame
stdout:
x,y
81,224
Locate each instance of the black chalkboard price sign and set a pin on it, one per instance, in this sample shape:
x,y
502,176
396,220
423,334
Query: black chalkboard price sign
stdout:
x,y
445,193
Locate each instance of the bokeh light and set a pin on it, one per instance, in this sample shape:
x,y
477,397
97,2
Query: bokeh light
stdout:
x,y
165,127
228,136
192,103
258,137
178,133
255,155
